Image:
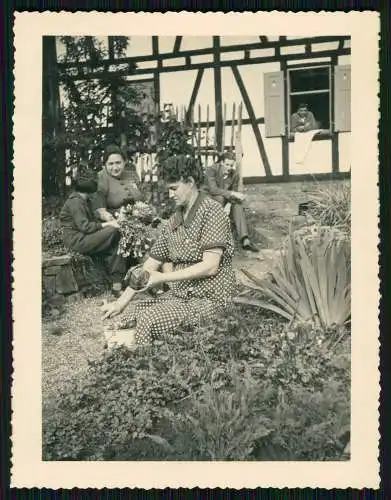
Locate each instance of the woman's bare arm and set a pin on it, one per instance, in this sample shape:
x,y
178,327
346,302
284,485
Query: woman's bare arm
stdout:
x,y
104,215
208,267
113,308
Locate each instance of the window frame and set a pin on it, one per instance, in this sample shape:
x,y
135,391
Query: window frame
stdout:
x,y
325,133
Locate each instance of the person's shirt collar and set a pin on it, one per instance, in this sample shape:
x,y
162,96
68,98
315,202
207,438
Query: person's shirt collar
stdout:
x,y
178,218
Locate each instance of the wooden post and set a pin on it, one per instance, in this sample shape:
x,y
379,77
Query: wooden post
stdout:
x,y
52,121
233,127
285,138
192,126
238,158
196,88
223,127
218,92
207,136
111,47
334,134
239,150
156,74
199,131
252,117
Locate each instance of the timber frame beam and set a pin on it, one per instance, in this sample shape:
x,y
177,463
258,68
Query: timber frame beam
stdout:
x,y
218,93
194,93
103,73
210,50
89,69
251,114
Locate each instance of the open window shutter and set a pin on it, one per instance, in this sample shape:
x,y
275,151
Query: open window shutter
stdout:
x,y
342,109
274,104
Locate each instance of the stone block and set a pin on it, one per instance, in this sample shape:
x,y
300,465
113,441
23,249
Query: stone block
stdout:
x,y
57,300
52,270
65,281
57,260
49,285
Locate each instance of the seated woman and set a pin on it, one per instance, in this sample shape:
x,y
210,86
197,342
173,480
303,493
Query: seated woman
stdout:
x,y
117,185
196,246
85,235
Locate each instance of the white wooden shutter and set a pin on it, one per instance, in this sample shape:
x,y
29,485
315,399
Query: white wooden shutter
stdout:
x,y
274,104
342,98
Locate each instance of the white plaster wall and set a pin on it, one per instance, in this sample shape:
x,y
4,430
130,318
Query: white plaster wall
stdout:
x,y
344,152
318,160
176,88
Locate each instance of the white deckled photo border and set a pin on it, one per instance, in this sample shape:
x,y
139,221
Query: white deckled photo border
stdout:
x,y
28,469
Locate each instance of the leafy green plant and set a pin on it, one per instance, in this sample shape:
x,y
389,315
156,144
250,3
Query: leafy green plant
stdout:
x,y
52,236
208,393
331,206
310,282
310,424
173,140
223,424
95,111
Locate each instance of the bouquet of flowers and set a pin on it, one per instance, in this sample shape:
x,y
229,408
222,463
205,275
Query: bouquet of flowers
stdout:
x,y
137,234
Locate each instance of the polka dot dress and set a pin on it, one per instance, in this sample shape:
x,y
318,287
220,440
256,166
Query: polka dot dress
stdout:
x,y
183,243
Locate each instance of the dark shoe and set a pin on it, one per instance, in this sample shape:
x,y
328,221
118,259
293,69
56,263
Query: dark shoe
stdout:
x,y
249,245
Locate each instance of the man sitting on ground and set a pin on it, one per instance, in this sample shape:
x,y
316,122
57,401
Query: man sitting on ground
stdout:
x,y
222,183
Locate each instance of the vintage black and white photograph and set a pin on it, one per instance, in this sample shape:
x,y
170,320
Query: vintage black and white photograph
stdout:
x,y
196,247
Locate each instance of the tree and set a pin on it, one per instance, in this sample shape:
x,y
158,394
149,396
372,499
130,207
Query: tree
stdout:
x,y
95,111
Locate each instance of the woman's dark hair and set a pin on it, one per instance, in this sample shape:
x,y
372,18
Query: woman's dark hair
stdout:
x,y
182,167
112,149
85,180
303,105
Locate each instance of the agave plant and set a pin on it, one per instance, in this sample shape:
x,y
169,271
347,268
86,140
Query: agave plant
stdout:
x,y
310,281
331,205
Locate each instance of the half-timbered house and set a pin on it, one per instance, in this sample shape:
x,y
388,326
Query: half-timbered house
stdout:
x,y
207,78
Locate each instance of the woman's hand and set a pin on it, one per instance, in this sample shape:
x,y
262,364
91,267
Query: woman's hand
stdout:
x,y
112,223
112,309
238,196
155,278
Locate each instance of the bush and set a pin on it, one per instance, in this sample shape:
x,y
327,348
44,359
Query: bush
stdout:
x,y
52,236
310,281
330,206
212,393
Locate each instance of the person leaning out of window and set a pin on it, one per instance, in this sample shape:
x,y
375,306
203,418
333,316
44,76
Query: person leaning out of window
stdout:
x,y
84,234
303,120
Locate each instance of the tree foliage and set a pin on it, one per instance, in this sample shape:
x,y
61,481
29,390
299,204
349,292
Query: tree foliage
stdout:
x,y
96,111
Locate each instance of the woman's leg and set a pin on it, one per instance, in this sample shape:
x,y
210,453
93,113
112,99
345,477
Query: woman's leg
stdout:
x,y
162,318
149,320
167,315
100,242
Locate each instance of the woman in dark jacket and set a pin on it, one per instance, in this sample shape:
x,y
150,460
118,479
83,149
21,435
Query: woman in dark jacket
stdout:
x,y
84,234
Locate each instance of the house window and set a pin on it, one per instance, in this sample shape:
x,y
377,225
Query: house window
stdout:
x,y
310,86
317,86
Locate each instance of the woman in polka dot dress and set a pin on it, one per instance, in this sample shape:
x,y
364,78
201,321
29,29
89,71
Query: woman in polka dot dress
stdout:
x,y
196,247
